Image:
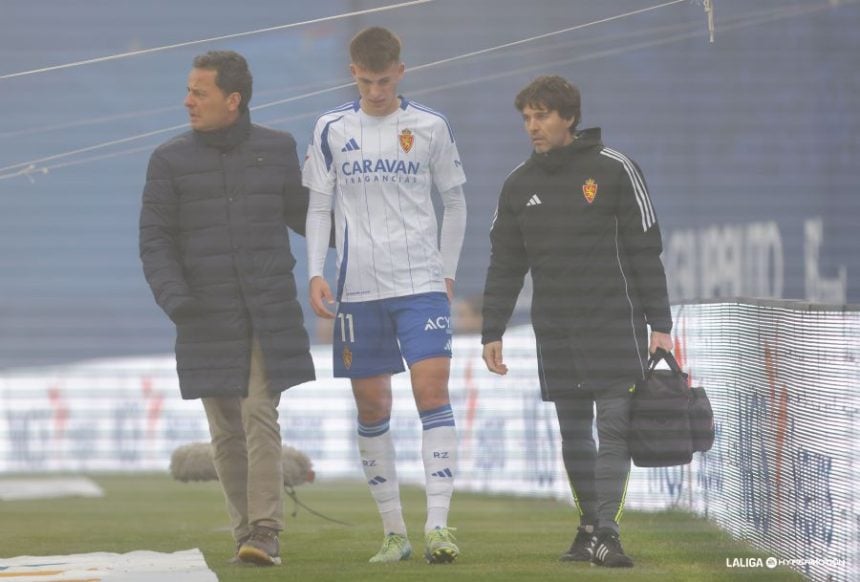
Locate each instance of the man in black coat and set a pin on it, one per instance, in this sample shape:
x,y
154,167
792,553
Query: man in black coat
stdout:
x,y
216,254
578,215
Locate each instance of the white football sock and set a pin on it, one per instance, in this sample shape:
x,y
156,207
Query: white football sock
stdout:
x,y
377,459
439,452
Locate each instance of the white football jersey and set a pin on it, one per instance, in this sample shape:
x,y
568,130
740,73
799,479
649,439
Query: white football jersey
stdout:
x,y
380,171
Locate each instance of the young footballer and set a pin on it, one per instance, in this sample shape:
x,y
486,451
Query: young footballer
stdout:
x,y
375,161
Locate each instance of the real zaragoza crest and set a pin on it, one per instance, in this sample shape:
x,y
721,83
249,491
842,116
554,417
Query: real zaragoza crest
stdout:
x,y
589,190
406,140
347,357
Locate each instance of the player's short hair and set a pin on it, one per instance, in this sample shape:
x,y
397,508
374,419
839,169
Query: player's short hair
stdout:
x,y
552,93
375,49
231,73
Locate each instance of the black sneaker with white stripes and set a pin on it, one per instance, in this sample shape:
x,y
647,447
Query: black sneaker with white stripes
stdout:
x,y
608,551
582,548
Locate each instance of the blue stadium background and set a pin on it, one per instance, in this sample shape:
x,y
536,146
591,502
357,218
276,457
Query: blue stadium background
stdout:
x,y
756,131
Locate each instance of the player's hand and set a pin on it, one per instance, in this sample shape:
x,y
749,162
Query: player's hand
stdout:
x,y
660,340
320,296
493,358
449,288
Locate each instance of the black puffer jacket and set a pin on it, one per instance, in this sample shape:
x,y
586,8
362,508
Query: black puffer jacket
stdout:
x,y
580,218
216,253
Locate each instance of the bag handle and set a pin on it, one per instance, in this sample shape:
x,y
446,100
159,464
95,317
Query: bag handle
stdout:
x,y
661,354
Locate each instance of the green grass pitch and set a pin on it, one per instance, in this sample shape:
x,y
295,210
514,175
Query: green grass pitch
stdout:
x,y
502,538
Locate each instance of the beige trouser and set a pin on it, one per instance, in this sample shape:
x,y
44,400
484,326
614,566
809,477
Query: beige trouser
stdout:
x,y
246,442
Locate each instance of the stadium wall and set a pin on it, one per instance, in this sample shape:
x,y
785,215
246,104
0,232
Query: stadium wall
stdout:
x,y
783,378
748,144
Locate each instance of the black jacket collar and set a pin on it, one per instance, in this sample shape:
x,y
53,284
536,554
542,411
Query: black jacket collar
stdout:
x,y
557,158
227,138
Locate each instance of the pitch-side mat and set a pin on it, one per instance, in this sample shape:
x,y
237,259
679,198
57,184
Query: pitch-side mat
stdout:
x,y
48,488
141,566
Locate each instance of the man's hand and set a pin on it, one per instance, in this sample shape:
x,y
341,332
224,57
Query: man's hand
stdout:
x,y
320,295
188,310
660,340
449,288
493,358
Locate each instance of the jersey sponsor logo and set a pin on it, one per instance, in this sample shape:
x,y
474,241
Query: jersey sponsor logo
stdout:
x,y
534,200
347,357
381,166
406,140
589,190
351,146
440,322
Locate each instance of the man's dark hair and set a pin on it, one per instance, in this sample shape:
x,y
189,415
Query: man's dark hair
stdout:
x,y
375,49
231,73
552,93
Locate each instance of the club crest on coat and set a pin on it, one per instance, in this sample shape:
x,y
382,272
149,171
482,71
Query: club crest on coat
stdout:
x,y
589,190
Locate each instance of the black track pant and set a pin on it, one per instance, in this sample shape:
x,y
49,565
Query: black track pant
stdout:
x,y
598,475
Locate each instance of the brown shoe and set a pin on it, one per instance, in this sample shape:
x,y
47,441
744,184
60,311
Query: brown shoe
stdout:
x,y
261,547
235,560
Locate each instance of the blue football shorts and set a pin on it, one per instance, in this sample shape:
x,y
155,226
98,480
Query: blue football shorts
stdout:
x,y
373,337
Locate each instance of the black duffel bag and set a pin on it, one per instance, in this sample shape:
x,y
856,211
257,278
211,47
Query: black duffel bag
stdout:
x,y
701,420
668,419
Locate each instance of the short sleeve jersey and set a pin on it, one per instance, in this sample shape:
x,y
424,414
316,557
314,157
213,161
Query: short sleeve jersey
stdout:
x,y
380,171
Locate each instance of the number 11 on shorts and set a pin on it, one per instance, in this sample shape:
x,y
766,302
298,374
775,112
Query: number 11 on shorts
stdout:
x,y
346,319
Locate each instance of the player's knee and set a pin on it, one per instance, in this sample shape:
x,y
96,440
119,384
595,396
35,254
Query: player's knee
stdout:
x,y
373,410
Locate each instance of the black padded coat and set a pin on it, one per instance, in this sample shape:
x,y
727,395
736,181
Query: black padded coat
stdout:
x,y
216,253
581,220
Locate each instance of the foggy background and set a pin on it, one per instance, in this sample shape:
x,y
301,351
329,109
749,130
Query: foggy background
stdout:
x,y
748,145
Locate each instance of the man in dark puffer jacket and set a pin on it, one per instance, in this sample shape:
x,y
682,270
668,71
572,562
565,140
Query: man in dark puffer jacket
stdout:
x,y
578,215
216,254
